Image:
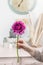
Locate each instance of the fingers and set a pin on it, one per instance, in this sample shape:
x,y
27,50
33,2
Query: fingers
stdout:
x,y
20,45
20,41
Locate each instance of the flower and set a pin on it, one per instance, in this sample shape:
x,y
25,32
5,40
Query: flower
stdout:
x,y
18,27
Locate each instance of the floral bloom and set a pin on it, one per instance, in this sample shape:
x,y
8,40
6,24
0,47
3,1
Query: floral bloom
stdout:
x,y
18,27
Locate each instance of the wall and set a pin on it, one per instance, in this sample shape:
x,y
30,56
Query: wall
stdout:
x,y
7,16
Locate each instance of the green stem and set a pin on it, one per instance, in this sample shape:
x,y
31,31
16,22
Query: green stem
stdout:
x,y
17,49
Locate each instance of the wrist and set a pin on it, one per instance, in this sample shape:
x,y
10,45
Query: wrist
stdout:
x,y
25,47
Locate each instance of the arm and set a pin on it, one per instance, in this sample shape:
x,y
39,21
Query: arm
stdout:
x,y
35,53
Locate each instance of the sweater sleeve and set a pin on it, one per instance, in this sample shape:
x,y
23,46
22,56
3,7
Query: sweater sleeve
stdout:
x,y
38,56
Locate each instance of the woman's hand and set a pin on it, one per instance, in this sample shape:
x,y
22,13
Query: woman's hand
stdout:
x,y
22,43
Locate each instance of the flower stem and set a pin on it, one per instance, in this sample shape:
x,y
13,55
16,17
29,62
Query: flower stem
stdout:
x,y
17,49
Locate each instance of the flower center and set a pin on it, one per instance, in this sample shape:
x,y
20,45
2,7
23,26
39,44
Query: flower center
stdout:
x,y
18,27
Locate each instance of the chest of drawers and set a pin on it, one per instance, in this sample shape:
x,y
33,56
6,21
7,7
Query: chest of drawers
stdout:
x,y
9,57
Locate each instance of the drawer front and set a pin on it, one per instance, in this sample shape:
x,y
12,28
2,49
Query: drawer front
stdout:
x,y
9,61
28,61
15,61
6,61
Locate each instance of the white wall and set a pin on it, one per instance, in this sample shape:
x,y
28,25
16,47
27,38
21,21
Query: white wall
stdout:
x,y
7,16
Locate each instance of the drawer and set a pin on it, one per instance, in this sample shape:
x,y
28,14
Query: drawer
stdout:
x,y
15,61
6,60
9,61
5,63
28,61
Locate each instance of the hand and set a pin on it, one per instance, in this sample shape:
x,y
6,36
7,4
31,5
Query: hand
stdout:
x,y
22,43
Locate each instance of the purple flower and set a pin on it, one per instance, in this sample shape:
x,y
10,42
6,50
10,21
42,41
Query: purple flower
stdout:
x,y
18,27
